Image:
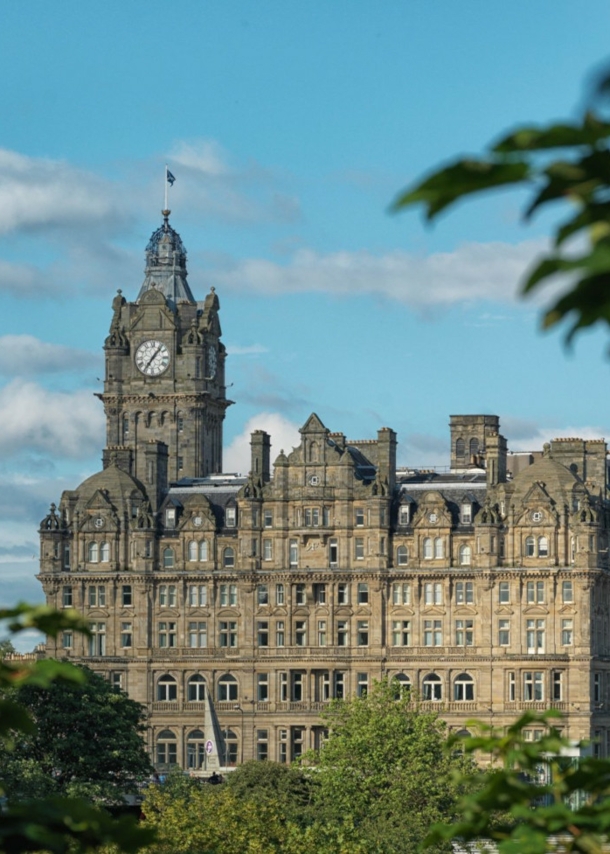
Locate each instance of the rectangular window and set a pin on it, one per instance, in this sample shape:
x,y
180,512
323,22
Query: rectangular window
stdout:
x,y
333,553
230,517
126,635
167,595
198,595
67,596
297,687
283,686
268,518
362,684
198,635
262,687
597,687
342,594
262,744
401,633
321,632
535,592
339,685
342,633
262,594
126,596
282,753
362,637
359,517
504,593
557,685
504,632
97,596
433,593
280,633
319,594
401,593
97,640
300,633
433,633
267,549
567,632
294,553
167,634
464,632
512,690
300,594
228,594
535,636
533,686
67,639
363,593
567,592
359,548
180,463
228,634
464,593
262,632
279,594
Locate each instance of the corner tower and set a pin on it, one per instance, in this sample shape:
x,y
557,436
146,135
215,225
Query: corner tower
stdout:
x,y
165,370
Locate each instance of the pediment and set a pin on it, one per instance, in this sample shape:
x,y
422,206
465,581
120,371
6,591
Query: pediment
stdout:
x,y
465,610
98,613
313,425
567,609
263,610
344,611
165,612
302,611
322,611
401,611
229,612
280,612
535,611
364,610
434,610
504,610
198,515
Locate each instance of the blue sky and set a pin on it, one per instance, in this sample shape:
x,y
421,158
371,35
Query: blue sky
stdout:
x,y
290,127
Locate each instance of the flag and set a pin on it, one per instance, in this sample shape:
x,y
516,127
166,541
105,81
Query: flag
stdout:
x,y
170,177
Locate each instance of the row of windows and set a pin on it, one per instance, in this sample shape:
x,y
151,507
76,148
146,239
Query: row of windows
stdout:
x,y
432,634
432,594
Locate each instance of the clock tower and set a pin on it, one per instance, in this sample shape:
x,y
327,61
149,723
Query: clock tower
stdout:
x,y
165,372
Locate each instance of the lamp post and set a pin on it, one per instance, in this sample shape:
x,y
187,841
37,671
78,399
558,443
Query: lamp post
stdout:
x,y
239,709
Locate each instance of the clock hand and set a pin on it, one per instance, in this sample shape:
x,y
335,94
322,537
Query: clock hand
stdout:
x,y
157,351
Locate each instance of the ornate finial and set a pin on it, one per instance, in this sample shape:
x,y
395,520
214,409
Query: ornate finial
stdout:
x,y
166,214
119,291
213,289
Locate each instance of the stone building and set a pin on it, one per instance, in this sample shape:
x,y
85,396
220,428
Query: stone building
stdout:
x,y
236,607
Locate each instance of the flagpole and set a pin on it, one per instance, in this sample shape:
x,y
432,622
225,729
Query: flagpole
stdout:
x,y
166,183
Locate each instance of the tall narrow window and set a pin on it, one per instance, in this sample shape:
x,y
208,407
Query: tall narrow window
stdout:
x,y
294,553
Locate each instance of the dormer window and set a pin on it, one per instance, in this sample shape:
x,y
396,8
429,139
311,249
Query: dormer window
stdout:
x,y
404,515
231,517
466,513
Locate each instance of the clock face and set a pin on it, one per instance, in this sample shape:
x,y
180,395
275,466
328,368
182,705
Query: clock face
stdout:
x,y
212,361
433,517
197,521
152,358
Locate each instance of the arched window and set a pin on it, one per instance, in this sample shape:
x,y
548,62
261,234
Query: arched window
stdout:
x,y
168,558
195,749
401,684
227,688
543,547
529,546
438,547
460,448
465,555
167,689
203,550
474,447
463,688
196,689
228,557
313,452
93,553
193,550
402,555
105,552
167,750
230,748
428,548
432,687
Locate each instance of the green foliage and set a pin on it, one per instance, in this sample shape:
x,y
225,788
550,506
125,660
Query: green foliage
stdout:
x,y
510,806
384,771
87,741
59,825
564,162
288,786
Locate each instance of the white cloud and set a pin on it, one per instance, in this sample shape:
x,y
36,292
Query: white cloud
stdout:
x,y
67,424
250,350
534,440
284,436
38,193
205,156
24,355
474,271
